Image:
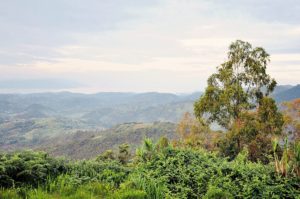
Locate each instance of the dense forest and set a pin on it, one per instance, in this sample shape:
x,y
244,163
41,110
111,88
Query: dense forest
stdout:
x,y
254,152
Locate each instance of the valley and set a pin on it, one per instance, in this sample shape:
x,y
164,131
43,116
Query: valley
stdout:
x,y
84,125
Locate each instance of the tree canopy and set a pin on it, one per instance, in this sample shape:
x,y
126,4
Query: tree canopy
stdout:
x,y
239,85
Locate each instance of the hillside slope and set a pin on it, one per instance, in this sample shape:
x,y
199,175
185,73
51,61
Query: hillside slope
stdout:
x,y
27,120
87,144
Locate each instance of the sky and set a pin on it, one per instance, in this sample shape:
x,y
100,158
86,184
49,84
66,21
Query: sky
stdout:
x,y
139,45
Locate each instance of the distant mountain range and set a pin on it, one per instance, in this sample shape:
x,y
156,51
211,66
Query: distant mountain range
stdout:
x,y
286,93
97,110
30,120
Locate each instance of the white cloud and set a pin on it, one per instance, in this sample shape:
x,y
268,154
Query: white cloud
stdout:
x,y
168,41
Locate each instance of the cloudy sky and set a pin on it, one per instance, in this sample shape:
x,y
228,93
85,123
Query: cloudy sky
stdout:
x,y
138,45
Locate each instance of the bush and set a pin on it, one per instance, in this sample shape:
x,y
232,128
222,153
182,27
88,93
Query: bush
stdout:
x,y
158,172
192,174
28,168
109,171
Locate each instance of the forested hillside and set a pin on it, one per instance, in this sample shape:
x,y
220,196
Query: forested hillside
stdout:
x,y
89,144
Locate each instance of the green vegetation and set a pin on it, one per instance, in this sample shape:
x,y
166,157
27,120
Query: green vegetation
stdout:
x,y
157,171
237,98
237,86
255,154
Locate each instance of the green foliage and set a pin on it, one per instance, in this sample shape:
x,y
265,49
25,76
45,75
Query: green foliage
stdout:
x,y
269,118
146,151
217,193
289,163
124,153
296,159
237,99
153,188
129,193
161,171
28,168
106,155
112,172
254,130
237,86
162,143
185,173
80,179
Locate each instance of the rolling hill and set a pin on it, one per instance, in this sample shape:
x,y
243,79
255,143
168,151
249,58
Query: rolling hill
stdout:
x,y
30,120
87,144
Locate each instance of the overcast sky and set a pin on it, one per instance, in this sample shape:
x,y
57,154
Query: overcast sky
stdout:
x,y
139,45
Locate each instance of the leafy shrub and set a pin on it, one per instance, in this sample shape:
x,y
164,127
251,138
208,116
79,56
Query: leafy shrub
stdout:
x,y
187,173
152,187
217,193
28,168
112,172
158,172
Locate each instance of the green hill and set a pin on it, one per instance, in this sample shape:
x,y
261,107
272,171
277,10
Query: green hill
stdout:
x,y
88,144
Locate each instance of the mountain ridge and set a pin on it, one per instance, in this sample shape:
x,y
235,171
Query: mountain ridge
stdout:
x,y
29,120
